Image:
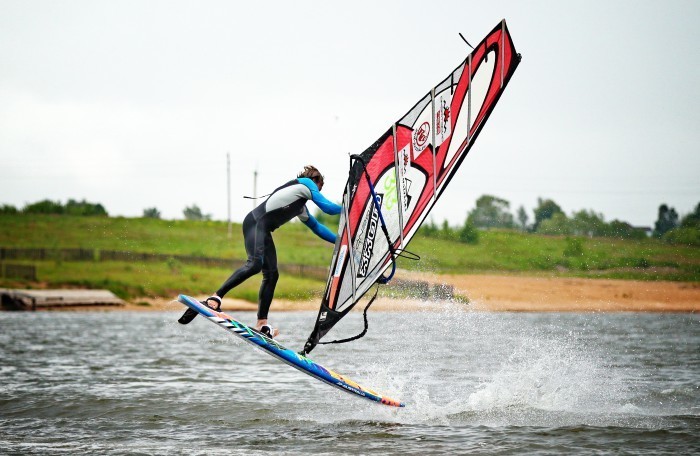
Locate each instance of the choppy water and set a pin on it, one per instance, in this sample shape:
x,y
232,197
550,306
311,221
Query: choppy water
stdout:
x,y
497,383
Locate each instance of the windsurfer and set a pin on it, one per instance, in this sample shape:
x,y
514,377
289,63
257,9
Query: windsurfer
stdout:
x,y
285,203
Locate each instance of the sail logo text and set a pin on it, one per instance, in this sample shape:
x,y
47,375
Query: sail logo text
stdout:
x,y
368,245
420,137
341,260
404,166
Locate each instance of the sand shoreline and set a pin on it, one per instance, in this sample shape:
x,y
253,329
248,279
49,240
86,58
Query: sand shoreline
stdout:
x,y
505,293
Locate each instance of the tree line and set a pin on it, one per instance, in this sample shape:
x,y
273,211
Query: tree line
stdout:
x,y
72,207
492,212
189,212
85,208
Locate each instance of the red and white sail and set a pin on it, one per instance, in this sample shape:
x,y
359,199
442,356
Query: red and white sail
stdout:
x,y
409,166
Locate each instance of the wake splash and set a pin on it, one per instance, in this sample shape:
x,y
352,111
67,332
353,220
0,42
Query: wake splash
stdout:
x,y
496,369
553,375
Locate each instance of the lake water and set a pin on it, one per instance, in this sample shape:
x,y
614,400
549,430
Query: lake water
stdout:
x,y
496,383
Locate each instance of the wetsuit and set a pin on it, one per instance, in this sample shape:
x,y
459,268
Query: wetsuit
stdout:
x,y
285,203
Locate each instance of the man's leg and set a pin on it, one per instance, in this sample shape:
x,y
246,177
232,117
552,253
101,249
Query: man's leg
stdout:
x,y
269,282
254,238
254,245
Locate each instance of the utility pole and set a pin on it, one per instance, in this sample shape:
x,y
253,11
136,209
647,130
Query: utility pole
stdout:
x,y
228,191
255,186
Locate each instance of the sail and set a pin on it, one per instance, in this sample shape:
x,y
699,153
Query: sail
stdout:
x,y
398,179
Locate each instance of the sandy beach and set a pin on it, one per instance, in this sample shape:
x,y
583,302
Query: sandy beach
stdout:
x,y
504,293
545,294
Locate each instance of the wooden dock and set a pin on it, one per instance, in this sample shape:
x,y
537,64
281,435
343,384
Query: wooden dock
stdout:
x,y
13,299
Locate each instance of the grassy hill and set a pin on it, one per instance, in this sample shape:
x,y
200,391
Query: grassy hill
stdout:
x,y
497,252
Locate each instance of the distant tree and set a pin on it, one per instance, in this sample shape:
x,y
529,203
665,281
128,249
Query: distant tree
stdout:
x,y
683,236
195,213
151,212
8,209
688,233
624,230
666,221
44,207
491,212
468,234
72,207
557,224
445,231
545,210
692,220
522,218
83,207
587,223
429,229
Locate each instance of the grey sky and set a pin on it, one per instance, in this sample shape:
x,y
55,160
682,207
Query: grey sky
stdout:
x,y
135,104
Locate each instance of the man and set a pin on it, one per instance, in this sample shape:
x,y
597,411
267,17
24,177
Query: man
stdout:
x,y
282,205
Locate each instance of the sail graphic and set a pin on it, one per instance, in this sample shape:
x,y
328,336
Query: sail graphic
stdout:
x,y
395,182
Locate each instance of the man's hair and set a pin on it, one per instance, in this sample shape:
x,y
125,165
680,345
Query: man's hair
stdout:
x,y
312,173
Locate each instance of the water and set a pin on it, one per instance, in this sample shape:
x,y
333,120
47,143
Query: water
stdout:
x,y
496,383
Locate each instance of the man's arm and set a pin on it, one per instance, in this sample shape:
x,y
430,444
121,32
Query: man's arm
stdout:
x,y
324,204
318,228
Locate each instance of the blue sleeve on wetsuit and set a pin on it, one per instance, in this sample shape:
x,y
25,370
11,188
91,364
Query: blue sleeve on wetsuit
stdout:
x,y
320,229
325,205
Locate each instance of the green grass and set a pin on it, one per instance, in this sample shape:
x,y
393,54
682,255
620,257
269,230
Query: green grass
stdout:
x,y
515,252
497,252
130,280
295,243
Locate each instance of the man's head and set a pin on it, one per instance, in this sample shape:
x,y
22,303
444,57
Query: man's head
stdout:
x,y
314,174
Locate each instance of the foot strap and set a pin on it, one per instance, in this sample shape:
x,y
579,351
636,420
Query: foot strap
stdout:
x,y
189,314
267,330
216,299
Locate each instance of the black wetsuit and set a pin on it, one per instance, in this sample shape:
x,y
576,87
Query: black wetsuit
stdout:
x,y
285,203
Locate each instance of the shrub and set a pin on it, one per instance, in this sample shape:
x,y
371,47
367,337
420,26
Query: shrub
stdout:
x,y
44,207
574,247
683,236
8,209
151,212
468,234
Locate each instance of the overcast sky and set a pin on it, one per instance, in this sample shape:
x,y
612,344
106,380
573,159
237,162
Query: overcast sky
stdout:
x,y
135,104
